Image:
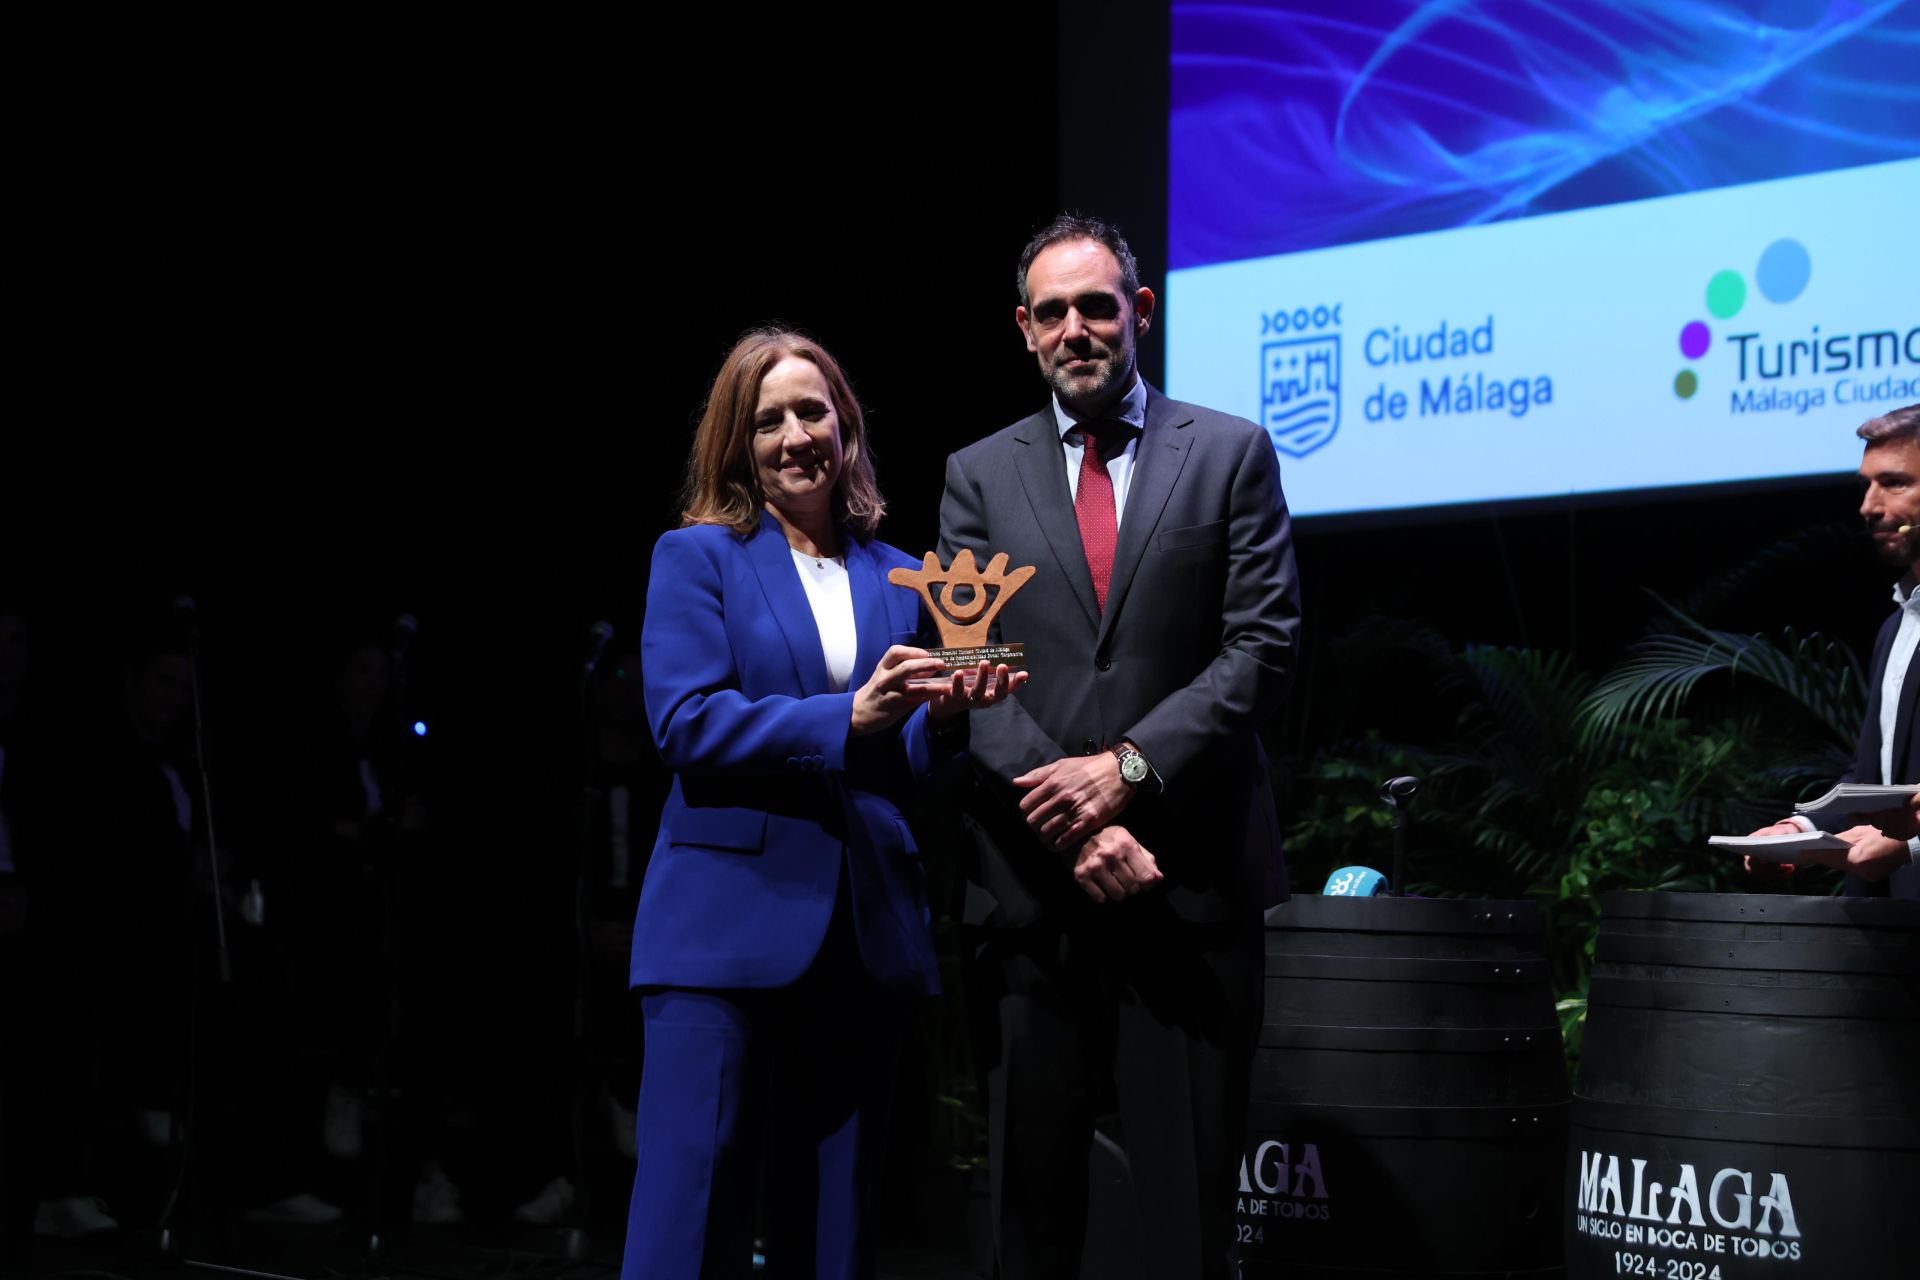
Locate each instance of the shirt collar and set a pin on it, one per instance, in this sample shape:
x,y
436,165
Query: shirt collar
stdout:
x,y
1131,410
1904,594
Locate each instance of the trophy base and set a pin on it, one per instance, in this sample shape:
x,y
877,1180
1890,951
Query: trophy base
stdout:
x,y
967,661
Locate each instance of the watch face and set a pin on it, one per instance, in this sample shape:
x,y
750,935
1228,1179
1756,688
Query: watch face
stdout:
x,y
1133,767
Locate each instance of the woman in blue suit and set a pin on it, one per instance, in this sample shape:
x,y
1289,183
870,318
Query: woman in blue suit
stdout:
x,y
782,928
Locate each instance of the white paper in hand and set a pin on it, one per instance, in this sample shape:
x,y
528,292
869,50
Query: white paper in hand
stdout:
x,y
1779,848
1860,797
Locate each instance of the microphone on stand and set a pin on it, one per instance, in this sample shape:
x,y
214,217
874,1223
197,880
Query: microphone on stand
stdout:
x,y
593,804
1397,789
405,627
1394,791
598,636
187,614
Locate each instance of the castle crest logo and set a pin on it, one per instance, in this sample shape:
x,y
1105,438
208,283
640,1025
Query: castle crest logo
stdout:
x,y
1300,378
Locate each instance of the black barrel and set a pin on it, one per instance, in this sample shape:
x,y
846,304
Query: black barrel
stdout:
x,y
1409,1106
1748,1102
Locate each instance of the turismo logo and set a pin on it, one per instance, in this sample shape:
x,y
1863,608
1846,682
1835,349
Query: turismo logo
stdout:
x,y
1781,274
1776,371
1300,378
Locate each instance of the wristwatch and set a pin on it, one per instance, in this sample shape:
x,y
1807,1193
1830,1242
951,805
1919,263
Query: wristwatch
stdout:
x,y
1134,768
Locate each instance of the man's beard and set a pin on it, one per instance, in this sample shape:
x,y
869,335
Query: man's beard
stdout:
x,y
1114,368
1897,554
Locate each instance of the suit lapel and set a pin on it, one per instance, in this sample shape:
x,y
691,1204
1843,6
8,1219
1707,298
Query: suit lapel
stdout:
x,y
869,589
1901,758
1157,463
1866,761
1043,473
772,561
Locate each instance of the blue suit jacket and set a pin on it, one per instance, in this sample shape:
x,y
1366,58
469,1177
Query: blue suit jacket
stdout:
x,y
770,796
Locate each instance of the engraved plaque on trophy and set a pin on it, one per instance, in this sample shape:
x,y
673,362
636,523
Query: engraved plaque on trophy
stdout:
x,y
964,607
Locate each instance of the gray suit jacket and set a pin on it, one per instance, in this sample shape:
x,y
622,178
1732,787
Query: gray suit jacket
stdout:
x,y
1195,650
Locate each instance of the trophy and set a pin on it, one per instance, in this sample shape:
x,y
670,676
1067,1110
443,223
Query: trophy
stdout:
x,y
963,623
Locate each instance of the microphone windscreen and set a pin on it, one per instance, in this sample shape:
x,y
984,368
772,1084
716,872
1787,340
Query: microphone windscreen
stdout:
x,y
1355,882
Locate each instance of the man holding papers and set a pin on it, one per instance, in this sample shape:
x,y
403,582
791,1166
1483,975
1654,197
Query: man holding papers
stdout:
x,y
1878,863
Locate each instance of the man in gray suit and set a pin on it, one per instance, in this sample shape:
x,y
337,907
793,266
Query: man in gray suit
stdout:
x,y
1121,813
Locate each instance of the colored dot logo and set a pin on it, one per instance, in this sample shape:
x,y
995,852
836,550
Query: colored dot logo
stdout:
x,y
1784,271
1781,276
1726,294
1694,340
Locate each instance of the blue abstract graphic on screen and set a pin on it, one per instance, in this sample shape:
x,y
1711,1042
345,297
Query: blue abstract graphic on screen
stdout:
x,y
1297,126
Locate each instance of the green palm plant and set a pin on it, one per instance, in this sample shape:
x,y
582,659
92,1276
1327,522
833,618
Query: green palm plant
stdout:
x,y
1813,678
1522,747
1552,784
1799,702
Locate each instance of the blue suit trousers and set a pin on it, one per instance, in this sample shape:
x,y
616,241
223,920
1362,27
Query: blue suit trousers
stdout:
x,y
808,1071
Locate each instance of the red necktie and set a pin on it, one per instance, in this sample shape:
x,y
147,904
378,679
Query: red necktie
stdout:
x,y
1093,506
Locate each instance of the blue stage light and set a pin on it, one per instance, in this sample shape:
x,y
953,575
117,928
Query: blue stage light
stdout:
x,y
419,728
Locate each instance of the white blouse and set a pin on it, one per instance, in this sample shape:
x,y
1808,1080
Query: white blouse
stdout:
x,y
831,595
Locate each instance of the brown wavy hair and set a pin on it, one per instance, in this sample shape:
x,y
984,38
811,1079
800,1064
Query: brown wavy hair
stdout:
x,y
1894,424
722,486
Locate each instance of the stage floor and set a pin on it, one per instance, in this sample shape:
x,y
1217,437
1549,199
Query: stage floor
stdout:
x,y
307,1253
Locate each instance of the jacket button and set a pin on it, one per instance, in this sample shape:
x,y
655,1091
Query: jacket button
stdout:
x,y
1087,748
1105,664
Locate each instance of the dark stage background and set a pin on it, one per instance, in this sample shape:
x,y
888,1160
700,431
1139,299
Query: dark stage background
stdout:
x,y
326,340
